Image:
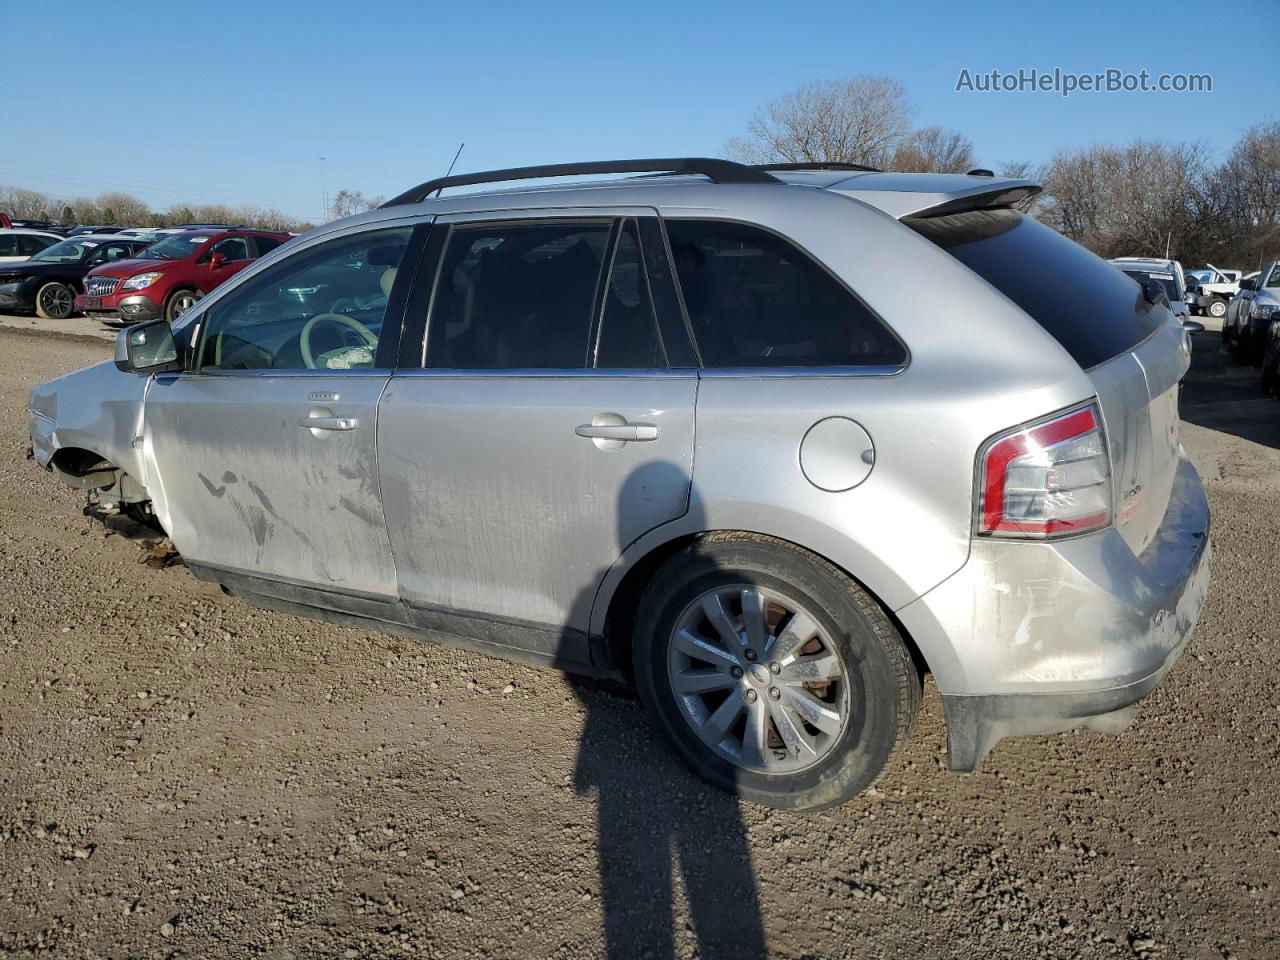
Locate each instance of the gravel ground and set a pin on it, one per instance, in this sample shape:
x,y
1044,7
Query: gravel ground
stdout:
x,y
183,776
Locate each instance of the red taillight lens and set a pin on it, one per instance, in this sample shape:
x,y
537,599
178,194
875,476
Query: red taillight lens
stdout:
x,y
1050,479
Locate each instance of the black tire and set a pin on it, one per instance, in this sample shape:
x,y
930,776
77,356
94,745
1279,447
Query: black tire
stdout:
x,y
55,301
884,684
1217,308
179,302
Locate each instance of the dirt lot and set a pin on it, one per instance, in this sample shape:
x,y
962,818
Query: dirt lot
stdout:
x,y
183,776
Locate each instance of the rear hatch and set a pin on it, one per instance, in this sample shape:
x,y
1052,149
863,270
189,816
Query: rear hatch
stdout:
x,y
1134,352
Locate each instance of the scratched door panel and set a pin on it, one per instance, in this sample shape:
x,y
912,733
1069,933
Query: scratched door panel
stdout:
x,y
246,486
496,505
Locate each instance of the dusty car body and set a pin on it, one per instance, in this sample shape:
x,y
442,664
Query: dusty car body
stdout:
x,y
870,491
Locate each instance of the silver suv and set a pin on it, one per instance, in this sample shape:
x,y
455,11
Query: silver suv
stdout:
x,y
770,443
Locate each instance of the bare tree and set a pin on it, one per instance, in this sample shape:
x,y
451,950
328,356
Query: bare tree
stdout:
x,y
1136,199
128,209
933,150
27,204
347,202
1242,198
865,119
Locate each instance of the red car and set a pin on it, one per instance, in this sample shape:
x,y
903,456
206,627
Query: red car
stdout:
x,y
173,273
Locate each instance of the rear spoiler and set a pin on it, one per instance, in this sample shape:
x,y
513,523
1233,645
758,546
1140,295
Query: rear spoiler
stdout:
x,y
1006,195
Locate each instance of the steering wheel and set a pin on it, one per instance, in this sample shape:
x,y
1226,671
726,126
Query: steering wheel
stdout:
x,y
342,320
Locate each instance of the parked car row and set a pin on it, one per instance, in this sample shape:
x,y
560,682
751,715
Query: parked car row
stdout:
x,y
126,275
1251,327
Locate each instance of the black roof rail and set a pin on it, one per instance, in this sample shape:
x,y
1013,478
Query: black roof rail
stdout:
x,y
719,171
813,165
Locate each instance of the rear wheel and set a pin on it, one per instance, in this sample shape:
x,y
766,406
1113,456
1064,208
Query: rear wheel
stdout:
x,y
55,301
771,673
180,301
1217,307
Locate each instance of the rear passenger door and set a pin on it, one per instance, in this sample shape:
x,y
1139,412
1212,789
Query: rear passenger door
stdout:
x,y
547,424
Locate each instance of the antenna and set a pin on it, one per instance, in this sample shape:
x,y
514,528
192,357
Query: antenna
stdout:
x,y
455,158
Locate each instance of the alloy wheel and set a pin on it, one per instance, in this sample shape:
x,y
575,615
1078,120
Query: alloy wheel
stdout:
x,y
182,303
56,301
758,679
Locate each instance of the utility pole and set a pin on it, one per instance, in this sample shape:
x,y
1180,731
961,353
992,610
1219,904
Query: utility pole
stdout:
x,y
324,195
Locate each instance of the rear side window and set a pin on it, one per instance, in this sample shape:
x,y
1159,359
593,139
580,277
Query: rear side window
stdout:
x,y
266,244
516,295
1083,302
29,246
756,300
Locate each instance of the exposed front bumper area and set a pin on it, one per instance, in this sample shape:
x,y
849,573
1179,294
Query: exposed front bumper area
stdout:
x,y
16,296
132,309
41,433
1035,638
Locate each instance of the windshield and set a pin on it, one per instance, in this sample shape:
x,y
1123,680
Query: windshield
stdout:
x,y
1166,280
68,251
176,247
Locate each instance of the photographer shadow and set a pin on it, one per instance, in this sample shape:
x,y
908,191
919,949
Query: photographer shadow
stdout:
x,y
656,822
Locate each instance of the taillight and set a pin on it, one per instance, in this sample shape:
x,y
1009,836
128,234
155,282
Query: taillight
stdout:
x,y
1050,479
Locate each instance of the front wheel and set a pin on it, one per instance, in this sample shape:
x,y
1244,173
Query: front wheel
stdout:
x,y
1217,308
55,301
179,303
771,673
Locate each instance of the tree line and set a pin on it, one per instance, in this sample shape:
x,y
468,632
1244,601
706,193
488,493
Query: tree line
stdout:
x,y
1137,199
115,209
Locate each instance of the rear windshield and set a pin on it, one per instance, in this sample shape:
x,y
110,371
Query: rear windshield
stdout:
x,y
1083,302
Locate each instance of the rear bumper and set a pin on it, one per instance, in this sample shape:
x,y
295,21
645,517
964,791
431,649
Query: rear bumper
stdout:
x,y
1045,637
132,309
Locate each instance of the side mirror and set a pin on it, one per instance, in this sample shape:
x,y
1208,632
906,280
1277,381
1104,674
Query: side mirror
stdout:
x,y
147,348
216,260
1249,284
1193,326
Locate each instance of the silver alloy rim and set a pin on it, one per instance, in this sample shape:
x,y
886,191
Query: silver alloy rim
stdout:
x,y
757,679
1217,309
56,301
183,303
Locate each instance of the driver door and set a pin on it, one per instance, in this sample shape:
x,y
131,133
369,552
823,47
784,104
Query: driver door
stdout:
x,y
262,451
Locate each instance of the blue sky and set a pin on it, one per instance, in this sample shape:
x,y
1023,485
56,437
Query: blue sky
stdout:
x,y
232,101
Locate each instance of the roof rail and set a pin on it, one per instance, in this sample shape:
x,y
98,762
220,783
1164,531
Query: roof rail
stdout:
x,y
860,167
719,171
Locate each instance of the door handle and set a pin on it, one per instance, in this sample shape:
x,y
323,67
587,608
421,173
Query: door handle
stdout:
x,y
626,432
329,423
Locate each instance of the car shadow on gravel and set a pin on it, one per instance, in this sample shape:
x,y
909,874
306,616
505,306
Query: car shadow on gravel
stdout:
x,y
658,825
1221,393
